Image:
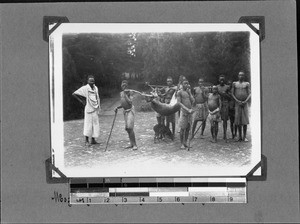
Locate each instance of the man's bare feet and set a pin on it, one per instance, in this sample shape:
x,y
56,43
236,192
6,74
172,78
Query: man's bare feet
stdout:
x,y
182,147
135,148
128,147
245,140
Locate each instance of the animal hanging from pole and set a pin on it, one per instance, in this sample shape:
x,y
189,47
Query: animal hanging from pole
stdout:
x,y
161,108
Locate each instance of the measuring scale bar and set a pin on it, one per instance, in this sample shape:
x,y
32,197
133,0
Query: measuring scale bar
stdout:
x,y
229,192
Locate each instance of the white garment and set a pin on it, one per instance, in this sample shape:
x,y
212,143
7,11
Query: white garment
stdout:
x,y
91,121
91,126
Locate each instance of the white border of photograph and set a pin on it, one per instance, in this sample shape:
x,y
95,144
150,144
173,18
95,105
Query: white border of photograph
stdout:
x,y
56,98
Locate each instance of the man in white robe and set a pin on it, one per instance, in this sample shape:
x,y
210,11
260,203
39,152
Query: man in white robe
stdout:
x,y
91,127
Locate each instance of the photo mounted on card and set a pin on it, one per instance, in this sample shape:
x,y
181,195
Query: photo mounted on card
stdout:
x,y
155,100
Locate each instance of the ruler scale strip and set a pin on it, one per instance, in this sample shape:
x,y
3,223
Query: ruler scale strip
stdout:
x,y
158,190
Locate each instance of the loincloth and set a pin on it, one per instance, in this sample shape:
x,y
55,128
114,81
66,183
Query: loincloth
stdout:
x,y
185,119
129,118
225,110
201,112
241,114
216,117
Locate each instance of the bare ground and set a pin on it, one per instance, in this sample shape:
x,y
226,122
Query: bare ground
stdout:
x,y
166,151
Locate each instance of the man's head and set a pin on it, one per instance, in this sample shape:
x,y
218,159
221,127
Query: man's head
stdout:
x,y
222,79
229,82
215,89
124,84
241,76
169,81
91,80
181,78
200,81
185,84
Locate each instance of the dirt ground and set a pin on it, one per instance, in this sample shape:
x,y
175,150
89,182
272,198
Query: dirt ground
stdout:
x,y
166,151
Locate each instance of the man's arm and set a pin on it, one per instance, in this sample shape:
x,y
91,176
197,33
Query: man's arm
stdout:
x,y
249,92
192,99
179,96
233,93
118,107
78,98
227,93
205,93
194,91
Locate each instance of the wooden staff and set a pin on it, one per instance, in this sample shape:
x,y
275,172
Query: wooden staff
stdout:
x,y
111,130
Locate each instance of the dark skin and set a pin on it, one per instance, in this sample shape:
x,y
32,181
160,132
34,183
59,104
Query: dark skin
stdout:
x,y
233,127
241,94
169,91
223,91
185,99
180,81
126,103
200,95
214,104
91,82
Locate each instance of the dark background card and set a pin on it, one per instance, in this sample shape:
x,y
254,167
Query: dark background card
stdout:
x,y
27,198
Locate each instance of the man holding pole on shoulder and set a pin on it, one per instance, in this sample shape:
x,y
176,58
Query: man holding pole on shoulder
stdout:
x,y
129,113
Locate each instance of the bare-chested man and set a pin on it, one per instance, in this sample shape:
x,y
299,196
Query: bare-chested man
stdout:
x,y
241,93
224,92
160,118
231,112
186,100
179,87
128,110
214,105
201,109
168,94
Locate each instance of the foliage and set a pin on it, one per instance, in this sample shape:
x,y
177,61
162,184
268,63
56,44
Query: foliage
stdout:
x,y
153,56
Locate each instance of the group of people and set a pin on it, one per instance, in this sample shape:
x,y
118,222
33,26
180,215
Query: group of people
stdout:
x,y
223,102
92,109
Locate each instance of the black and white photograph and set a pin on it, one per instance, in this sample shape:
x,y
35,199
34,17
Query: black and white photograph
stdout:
x,y
155,99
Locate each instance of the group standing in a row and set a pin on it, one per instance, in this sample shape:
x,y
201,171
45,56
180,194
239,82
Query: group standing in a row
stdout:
x,y
222,102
